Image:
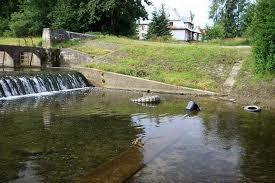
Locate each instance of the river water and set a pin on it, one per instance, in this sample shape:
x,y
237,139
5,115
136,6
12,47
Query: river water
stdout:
x,y
64,137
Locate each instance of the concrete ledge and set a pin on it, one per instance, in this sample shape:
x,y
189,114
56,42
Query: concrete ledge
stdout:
x,y
72,58
119,81
51,36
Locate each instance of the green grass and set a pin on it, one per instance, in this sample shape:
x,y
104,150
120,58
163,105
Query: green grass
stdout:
x,y
230,42
249,78
92,50
196,65
35,41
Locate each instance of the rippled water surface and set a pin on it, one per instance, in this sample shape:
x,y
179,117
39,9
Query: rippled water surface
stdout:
x,y
64,137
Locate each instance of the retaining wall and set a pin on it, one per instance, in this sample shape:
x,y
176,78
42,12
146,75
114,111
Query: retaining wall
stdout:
x,y
119,81
71,58
51,37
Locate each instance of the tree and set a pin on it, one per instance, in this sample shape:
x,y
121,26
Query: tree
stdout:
x,y
159,25
31,17
110,16
229,13
246,19
6,9
214,32
65,15
263,36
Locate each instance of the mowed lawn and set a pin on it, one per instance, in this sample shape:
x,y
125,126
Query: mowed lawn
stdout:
x,y
35,41
202,66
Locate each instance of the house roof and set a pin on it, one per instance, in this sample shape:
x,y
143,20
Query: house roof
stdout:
x,y
173,15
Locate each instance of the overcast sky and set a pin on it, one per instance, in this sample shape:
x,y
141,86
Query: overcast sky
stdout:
x,y
199,7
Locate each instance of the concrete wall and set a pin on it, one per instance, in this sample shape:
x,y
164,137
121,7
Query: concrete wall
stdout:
x,y
30,59
17,56
71,58
50,36
6,60
118,81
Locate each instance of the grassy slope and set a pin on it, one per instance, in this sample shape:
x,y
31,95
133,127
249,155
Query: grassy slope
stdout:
x,y
37,41
230,42
197,66
258,88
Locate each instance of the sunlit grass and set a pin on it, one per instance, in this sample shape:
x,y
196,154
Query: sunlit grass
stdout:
x,y
92,50
203,66
32,41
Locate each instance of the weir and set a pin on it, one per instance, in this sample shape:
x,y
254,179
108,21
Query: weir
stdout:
x,y
26,83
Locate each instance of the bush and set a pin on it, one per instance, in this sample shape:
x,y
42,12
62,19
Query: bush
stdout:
x,y
162,39
263,36
215,32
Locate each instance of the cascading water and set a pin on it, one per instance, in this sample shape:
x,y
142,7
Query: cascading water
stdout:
x,y
26,83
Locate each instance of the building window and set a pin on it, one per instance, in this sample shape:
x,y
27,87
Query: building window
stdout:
x,y
171,24
142,27
143,35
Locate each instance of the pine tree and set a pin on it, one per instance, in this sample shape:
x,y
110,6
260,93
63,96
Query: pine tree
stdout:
x,y
159,25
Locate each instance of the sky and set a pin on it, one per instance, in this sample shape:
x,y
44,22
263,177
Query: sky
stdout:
x,y
199,7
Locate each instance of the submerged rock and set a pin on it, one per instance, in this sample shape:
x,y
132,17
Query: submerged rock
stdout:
x,y
148,99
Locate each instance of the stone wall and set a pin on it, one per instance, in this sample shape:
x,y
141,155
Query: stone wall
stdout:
x,y
51,37
14,56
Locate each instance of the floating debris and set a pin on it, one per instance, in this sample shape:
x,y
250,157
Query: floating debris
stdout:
x,y
148,99
192,106
252,108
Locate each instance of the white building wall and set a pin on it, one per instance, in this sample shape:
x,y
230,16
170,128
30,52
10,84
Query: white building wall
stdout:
x,y
179,35
142,31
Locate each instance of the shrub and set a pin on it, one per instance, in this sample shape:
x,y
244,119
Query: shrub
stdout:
x,y
214,32
263,36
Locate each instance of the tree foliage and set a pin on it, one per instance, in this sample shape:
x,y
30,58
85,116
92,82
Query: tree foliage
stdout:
x,y
263,36
159,25
214,32
6,9
231,14
28,17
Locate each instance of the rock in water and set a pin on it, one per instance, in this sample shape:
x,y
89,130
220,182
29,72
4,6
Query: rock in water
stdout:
x,y
148,99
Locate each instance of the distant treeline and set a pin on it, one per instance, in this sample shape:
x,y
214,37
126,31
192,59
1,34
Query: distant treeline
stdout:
x,y
241,18
27,17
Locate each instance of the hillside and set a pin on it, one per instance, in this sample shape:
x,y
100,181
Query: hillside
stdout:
x,y
191,65
202,66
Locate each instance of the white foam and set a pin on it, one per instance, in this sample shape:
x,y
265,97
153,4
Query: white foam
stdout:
x,y
44,93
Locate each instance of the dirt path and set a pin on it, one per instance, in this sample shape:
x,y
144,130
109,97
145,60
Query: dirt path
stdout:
x,y
230,81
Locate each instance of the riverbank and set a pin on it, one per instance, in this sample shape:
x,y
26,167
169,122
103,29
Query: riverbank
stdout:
x,y
196,66
201,66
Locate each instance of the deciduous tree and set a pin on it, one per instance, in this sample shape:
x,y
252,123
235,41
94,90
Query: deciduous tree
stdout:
x,y
263,36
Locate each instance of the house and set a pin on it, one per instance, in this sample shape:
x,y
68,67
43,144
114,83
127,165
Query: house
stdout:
x,y
182,28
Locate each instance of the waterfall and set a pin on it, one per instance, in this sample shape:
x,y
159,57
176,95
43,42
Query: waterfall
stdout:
x,y
26,83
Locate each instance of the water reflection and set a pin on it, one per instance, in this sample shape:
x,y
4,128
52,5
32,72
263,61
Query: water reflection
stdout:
x,y
51,138
89,137
211,147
